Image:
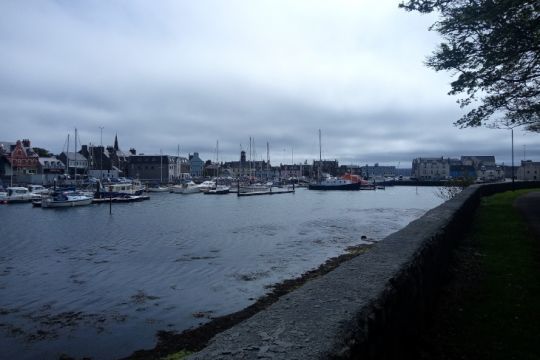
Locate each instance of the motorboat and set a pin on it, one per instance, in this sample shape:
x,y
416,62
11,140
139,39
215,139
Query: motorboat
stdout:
x,y
333,183
157,188
65,199
18,194
219,190
185,188
254,188
116,189
206,185
38,189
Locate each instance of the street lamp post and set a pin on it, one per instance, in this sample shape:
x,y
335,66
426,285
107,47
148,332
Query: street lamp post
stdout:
x,y
513,188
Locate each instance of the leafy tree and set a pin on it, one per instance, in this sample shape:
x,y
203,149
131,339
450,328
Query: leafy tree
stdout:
x,y
41,152
493,46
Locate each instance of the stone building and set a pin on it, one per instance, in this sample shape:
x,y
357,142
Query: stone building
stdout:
x,y
431,169
529,170
161,169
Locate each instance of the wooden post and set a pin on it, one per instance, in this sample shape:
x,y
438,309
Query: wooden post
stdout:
x,y
110,200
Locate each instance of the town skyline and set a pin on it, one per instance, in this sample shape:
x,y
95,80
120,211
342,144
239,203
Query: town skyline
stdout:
x,y
286,156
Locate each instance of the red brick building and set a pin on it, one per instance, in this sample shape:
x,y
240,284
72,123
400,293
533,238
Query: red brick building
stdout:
x,y
22,159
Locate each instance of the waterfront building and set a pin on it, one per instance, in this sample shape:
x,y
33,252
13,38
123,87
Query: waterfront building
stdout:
x,y
490,173
244,168
18,161
49,169
474,167
119,158
377,171
76,163
291,171
431,169
196,165
529,170
478,161
181,169
460,171
155,168
100,165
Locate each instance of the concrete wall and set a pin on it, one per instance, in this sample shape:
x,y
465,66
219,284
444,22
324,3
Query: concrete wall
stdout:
x,y
371,307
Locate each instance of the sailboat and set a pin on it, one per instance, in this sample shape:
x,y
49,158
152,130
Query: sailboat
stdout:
x,y
158,187
331,183
218,189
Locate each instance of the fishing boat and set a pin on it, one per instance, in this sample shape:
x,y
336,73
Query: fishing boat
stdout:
x,y
65,199
331,183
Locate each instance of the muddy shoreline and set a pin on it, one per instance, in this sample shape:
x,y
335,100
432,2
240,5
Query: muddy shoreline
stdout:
x,y
195,339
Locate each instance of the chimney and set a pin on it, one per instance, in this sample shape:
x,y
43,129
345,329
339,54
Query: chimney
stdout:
x,y
133,151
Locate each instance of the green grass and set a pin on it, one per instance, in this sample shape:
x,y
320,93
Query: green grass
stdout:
x,y
499,318
178,356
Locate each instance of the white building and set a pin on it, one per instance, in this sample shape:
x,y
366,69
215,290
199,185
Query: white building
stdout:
x,y
490,173
529,171
431,169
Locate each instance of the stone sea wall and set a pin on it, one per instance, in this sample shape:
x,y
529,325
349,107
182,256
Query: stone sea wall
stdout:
x,y
370,307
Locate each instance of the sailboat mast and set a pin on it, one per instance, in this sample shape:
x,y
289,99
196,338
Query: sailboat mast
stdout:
x,y
75,154
267,159
67,156
178,174
320,158
160,166
250,160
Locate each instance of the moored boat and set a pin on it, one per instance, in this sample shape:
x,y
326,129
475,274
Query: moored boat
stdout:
x,y
38,189
206,185
329,182
18,194
118,189
218,190
158,188
65,199
333,183
185,188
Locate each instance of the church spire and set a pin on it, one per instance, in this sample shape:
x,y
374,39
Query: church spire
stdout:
x,y
116,142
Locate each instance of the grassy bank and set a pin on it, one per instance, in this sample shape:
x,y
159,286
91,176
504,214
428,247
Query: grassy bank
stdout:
x,y
491,307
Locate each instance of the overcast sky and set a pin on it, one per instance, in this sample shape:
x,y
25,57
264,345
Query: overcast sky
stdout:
x,y
163,74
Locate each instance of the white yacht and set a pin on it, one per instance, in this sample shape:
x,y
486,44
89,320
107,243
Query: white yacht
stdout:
x,y
16,194
206,185
65,199
185,188
38,189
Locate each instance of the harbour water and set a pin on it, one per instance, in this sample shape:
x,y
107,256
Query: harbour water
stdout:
x,y
84,283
